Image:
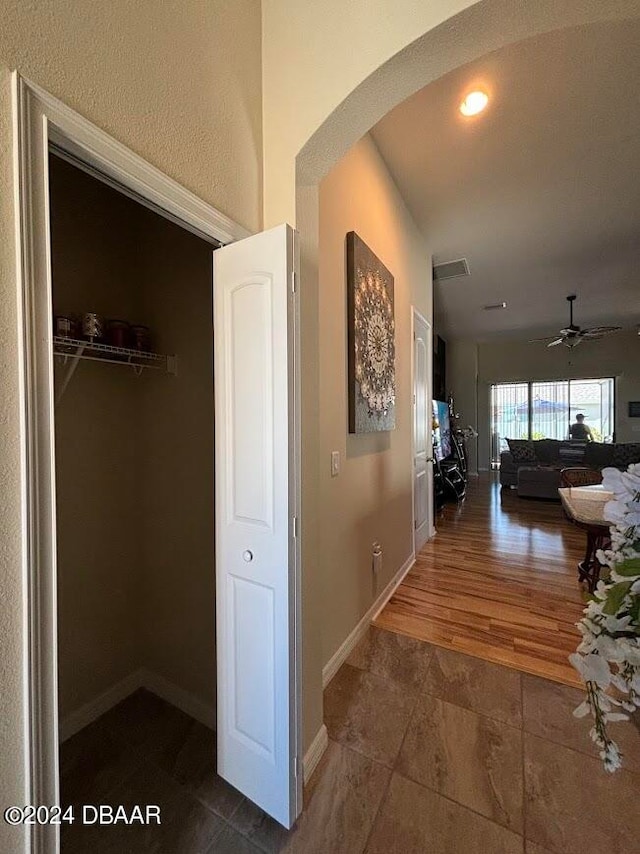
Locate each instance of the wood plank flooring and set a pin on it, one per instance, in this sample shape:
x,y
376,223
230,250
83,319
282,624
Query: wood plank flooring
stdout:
x,y
499,581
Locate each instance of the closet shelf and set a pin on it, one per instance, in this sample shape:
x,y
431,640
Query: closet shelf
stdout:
x,y
71,350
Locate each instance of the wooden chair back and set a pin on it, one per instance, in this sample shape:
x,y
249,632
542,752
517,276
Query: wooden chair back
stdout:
x,y
580,477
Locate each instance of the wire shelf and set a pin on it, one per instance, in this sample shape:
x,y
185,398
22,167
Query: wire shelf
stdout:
x,y
71,350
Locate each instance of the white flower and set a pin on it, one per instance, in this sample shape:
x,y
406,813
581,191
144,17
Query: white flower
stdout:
x,y
609,652
613,717
608,648
592,668
612,481
583,709
615,511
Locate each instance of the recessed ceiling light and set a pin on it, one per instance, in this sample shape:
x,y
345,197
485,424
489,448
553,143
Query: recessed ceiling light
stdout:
x,y
474,103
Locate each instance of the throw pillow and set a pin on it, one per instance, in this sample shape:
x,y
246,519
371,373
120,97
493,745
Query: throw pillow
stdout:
x,y
625,454
598,455
522,451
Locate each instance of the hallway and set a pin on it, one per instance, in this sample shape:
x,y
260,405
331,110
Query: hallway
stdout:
x,y
499,581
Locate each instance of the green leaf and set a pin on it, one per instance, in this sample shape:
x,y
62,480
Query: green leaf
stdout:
x,y
629,568
615,597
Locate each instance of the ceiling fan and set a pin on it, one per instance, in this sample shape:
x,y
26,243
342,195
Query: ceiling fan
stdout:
x,y
573,335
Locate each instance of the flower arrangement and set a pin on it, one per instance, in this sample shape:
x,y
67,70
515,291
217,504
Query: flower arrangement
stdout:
x,y
608,657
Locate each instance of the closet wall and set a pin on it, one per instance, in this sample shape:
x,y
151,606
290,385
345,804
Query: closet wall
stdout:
x,y
94,268
134,454
177,478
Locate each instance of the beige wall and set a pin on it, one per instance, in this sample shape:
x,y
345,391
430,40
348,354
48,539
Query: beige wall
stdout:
x,y
371,498
180,83
333,46
136,566
509,361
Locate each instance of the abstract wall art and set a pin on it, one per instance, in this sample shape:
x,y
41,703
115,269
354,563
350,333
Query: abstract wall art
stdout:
x,y
371,340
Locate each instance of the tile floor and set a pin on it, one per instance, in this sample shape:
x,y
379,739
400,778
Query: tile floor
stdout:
x,y
431,752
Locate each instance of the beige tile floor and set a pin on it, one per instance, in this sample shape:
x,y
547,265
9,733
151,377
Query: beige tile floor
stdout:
x,y
430,751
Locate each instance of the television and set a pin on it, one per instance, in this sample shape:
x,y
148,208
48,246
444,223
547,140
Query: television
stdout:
x,y
441,430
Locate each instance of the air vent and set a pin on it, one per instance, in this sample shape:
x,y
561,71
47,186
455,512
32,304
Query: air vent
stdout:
x,y
450,270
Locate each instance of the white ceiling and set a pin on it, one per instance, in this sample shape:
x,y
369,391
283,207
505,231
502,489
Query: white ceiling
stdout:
x,y
541,192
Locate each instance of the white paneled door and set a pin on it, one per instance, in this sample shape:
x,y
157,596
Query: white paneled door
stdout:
x,y
422,447
256,555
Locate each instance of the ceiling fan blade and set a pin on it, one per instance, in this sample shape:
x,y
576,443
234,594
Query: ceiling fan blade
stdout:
x,y
599,331
537,340
556,342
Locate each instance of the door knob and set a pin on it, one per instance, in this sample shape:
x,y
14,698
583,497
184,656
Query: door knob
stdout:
x,y
247,555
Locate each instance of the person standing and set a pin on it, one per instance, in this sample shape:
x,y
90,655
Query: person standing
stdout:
x,y
580,430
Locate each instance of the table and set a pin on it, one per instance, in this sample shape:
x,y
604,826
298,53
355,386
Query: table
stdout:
x,y
584,506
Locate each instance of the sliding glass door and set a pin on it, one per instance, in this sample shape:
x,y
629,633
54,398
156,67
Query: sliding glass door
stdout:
x,y
545,410
550,410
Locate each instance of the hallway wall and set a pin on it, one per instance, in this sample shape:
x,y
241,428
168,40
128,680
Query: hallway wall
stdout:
x,y
371,497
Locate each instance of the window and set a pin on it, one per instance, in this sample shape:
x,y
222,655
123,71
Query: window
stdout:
x,y
545,410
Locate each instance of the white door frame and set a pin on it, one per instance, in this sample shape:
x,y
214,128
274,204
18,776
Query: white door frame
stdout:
x,y
40,120
415,313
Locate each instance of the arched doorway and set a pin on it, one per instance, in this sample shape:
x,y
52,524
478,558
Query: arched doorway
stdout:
x,y
478,30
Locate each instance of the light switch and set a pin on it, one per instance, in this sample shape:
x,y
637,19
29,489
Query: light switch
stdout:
x,y
335,463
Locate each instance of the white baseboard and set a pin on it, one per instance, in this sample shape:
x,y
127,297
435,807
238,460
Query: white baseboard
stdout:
x,y
314,753
187,702
143,678
91,711
344,651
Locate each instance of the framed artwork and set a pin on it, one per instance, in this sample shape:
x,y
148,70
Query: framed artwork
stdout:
x,y
371,340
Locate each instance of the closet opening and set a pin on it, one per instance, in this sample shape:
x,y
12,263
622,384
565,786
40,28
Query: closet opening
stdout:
x,y
134,449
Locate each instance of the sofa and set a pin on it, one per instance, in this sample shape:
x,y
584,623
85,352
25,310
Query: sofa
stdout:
x,y
534,466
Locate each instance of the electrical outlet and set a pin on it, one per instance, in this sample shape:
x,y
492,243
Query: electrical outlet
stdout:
x,y
335,463
376,558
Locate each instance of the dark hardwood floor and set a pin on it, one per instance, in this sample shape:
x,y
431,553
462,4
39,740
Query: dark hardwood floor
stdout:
x,y
499,581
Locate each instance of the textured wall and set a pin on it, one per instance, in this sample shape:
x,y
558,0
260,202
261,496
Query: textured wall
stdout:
x,y
179,82
371,498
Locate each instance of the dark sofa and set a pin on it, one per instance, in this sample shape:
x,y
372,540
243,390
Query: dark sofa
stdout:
x,y
544,459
